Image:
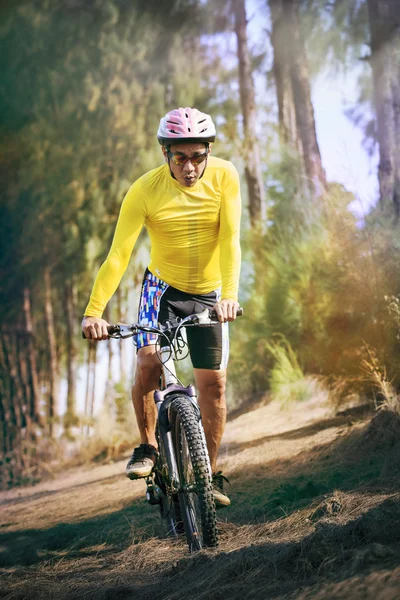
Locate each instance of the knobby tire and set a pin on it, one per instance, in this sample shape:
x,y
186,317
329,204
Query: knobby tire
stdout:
x,y
196,501
169,503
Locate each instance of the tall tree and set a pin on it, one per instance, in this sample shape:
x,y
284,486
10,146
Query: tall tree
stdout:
x,y
80,101
251,150
70,418
349,27
280,40
384,22
304,110
292,80
53,375
34,408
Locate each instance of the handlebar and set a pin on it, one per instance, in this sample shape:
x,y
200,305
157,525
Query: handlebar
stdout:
x,y
207,318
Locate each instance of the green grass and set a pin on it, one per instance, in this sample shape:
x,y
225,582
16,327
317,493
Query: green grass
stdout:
x,y
345,464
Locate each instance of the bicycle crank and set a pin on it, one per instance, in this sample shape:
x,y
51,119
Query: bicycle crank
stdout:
x,y
153,492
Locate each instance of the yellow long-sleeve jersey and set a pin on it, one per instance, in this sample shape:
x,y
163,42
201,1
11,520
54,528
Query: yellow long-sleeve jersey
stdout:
x,y
194,233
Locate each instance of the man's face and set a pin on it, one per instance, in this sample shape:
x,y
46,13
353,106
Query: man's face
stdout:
x,y
188,173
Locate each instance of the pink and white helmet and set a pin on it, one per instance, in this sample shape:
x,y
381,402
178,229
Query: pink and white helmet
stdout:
x,y
186,125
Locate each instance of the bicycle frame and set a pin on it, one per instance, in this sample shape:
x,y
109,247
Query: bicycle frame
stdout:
x,y
181,481
162,399
165,486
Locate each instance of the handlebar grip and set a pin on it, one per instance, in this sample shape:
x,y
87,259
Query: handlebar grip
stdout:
x,y
111,330
239,313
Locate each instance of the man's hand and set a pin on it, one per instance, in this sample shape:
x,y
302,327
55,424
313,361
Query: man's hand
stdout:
x,y
95,328
226,310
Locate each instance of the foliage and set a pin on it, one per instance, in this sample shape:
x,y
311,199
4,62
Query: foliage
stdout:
x,y
82,92
84,84
337,30
286,378
324,285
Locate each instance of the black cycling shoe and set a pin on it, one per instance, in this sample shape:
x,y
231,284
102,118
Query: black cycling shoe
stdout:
x,y
141,462
220,498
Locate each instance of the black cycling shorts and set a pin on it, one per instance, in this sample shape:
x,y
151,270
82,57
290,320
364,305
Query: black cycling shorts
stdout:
x,y
159,302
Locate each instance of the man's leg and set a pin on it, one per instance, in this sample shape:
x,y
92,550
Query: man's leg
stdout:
x,y
147,377
211,387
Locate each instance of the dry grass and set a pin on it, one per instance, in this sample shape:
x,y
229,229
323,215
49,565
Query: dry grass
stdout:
x,y
269,560
319,522
110,438
34,458
45,459
372,384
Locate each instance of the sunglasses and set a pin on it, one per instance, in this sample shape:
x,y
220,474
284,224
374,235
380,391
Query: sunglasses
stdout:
x,y
181,159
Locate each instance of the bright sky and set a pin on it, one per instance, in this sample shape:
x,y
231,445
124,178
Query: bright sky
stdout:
x,y
344,158
340,141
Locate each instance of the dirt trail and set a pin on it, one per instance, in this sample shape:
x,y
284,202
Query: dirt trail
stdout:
x,y
315,514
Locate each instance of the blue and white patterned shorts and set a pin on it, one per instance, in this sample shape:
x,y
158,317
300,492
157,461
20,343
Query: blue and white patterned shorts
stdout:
x,y
208,346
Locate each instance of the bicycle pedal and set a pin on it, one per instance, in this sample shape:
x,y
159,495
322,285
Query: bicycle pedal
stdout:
x,y
152,496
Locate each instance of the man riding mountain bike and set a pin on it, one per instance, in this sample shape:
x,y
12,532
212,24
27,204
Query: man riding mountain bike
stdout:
x,y
191,209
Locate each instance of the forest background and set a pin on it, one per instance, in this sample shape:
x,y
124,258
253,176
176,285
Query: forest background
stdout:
x,y
83,86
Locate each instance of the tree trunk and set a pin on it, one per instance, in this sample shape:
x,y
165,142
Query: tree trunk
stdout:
x,y
23,378
121,345
384,23
4,417
53,362
12,404
14,400
72,353
108,404
396,110
7,415
16,395
280,39
93,386
302,100
89,383
253,172
34,409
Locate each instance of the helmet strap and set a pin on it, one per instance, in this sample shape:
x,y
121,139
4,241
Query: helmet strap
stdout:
x,y
205,166
168,148
172,175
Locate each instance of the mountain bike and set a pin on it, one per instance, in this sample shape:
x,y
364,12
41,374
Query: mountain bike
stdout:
x,y
181,481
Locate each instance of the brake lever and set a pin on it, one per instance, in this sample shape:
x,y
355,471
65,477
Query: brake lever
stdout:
x,y
208,317
204,319
121,331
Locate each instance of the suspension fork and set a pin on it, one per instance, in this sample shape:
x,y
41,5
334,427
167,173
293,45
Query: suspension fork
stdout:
x,y
162,399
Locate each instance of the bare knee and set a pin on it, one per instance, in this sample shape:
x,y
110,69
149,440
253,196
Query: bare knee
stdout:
x,y
148,372
212,387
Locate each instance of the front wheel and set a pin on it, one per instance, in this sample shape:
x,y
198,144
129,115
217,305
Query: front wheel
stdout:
x,y
168,501
195,494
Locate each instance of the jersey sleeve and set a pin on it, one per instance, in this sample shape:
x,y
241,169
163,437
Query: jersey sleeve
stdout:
x,y
229,234
130,222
